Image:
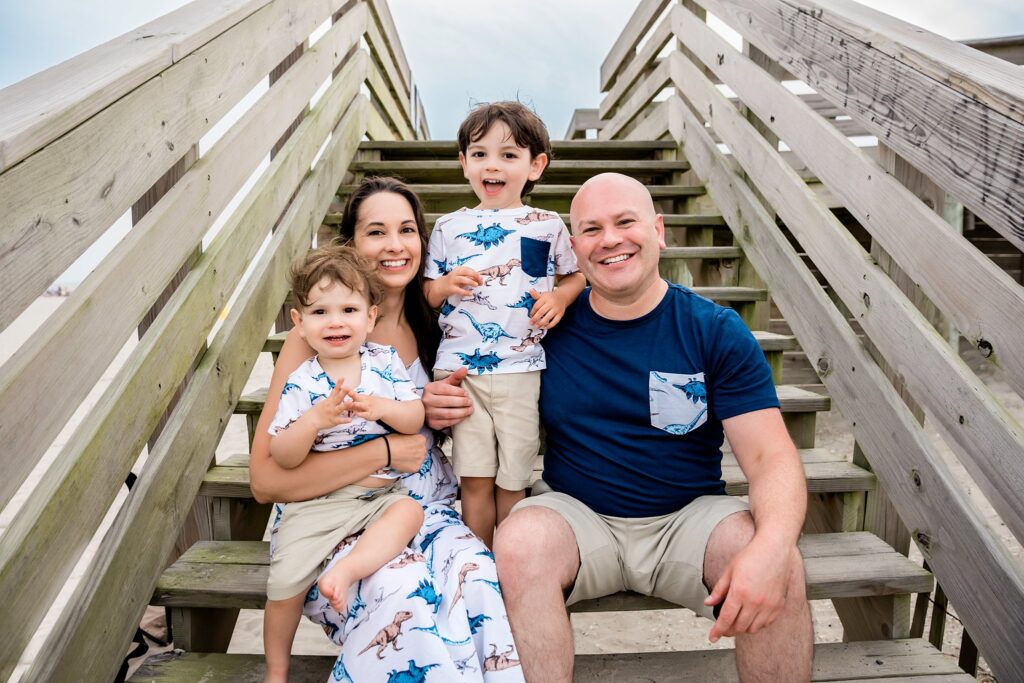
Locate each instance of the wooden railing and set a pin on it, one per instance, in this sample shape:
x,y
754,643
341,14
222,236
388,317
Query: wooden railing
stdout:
x,y
952,119
119,128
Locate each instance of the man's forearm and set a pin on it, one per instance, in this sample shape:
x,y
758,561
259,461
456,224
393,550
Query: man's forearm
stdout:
x,y
778,497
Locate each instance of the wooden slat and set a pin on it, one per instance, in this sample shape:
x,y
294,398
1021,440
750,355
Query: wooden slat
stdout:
x,y
87,331
959,401
583,120
624,48
102,450
645,91
672,220
955,113
641,62
387,25
559,168
41,108
63,197
442,191
652,122
129,559
985,583
563,149
393,81
903,661
981,300
388,105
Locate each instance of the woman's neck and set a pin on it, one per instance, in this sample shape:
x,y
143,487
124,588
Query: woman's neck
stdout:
x,y
392,308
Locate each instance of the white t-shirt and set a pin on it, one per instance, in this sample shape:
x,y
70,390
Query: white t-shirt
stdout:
x,y
515,250
382,373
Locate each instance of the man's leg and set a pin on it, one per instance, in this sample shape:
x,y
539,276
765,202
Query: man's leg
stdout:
x,y
537,557
783,650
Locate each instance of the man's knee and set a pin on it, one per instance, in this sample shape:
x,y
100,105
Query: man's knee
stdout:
x,y
535,543
732,535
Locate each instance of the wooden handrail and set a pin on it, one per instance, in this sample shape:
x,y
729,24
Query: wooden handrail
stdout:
x,y
622,51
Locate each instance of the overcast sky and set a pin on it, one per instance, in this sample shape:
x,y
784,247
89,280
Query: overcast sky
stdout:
x,y
545,52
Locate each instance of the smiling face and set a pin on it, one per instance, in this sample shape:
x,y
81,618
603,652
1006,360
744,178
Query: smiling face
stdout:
x,y
618,238
336,321
498,168
386,235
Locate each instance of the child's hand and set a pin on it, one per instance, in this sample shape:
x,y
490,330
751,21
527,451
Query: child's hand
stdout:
x,y
461,280
368,407
333,410
548,309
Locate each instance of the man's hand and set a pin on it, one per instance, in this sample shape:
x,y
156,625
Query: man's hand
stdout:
x,y
446,403
333,410
548,309
408,451
753,587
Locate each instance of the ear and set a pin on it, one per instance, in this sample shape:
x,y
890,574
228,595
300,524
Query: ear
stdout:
x,y
462,162
372,315
297,322
537,166
659,227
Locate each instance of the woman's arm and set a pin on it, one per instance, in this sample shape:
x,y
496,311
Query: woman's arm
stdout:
x,y
320,473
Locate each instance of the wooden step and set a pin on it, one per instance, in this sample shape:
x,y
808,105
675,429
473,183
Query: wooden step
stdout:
x,y
540,193
233,574
450,170
562,149
826,473
672,220
888,661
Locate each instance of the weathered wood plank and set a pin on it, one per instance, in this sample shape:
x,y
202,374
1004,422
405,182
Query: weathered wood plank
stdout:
x,y
87,331
107,443
388,106
89,177
563,149
624,49
558,168
955,113
382,14
390,77
987,438
651,123
672,220
127,562
645,91
981,300
44,106
986,583
453,190
643,60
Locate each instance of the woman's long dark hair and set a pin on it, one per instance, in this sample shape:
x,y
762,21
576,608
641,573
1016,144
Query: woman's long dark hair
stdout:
x,y
422,319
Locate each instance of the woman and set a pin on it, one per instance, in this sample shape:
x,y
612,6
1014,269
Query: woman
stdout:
x,y
437,608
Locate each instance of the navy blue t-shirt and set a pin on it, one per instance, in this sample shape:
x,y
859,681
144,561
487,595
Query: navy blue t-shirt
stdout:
x,y
633,409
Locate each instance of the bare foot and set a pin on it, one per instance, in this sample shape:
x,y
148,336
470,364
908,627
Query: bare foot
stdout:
x,y
334,586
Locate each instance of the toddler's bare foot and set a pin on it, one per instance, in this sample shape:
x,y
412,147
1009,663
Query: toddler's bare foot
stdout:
x,y
334,586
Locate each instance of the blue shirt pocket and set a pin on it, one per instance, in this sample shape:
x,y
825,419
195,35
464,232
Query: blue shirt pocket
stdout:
x,y
679,403
534,255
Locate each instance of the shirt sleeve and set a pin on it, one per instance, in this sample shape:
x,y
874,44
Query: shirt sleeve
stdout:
x,y
294,402
437,260
405,388
565,258
740,379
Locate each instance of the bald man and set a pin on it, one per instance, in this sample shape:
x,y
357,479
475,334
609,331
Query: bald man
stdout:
x,y
643,380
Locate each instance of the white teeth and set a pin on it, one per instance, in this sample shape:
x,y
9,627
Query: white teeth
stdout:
x,y
394,264
616,259
493,182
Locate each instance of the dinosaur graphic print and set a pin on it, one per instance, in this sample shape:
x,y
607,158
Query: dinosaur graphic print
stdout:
x,y
412,674
499,272
489,332
499,661
679,402
388,635
487,237
466,569
479,363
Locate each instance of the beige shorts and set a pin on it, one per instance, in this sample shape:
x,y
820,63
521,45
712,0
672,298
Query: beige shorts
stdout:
x,y
310,530
501,438
660,556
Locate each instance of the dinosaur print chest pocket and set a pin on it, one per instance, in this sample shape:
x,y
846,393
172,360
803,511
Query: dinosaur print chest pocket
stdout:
x,y
534,255
679,403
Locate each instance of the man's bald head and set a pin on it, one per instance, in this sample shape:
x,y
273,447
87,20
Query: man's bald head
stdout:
x,y
622,186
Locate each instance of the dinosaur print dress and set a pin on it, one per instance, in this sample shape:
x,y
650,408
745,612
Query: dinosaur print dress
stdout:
x,y
432,614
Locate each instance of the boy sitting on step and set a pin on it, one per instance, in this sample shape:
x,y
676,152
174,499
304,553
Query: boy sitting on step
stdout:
x,y
492,270
338,294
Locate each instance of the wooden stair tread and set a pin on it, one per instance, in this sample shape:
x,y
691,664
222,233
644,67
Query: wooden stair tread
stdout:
x,y
672,220
450,170
826,473
910,660
840,565
563,149
428,191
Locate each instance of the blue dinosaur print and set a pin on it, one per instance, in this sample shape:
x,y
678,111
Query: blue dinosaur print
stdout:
x,y
313,594
526,303
446,308
339,673
360,438
321,376
425,467
414,674
464,665
489,332
386,374
446,268
492,584
476,622
425,590
288,386
314,397
487,554
482,364
429,538
358,603
487,237
330,628
694,390
433,629
684,429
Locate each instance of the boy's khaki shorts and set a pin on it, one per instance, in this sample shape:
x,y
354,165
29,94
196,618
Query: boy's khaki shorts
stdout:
x,y
311,529
660,556
502,436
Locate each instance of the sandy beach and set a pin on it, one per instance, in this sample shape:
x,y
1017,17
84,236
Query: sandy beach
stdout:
x,y
595,633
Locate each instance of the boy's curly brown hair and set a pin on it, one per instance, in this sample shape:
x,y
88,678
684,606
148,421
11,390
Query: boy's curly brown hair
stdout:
x,y
526,127
338,264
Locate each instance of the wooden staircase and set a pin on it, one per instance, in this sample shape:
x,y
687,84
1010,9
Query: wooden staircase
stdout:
x,y
870,582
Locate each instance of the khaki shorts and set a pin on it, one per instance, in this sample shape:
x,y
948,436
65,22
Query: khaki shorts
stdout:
x,y
501,438
310,530
660,556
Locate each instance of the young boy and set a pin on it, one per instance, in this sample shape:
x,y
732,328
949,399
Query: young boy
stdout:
x,y
492,271
338,294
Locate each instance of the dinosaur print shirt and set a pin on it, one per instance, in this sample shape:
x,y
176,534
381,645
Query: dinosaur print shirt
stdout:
x,y
514,250
382,373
